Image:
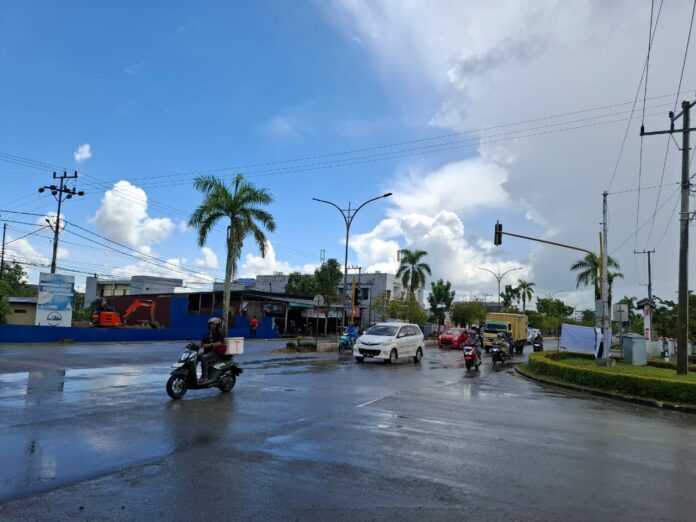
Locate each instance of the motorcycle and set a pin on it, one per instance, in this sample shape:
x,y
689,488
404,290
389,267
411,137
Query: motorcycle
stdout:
x,y
346,342
223,374
538,345
472,357
500,352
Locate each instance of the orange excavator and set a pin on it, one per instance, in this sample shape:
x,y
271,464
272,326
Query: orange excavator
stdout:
x,y
105,315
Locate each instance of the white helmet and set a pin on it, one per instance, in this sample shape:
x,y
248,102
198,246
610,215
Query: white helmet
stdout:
x,y
216,321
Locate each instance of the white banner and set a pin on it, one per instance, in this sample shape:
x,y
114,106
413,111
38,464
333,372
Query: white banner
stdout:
x,y
581,338
55,302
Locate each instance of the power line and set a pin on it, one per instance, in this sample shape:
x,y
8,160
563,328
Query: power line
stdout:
x,y
635,99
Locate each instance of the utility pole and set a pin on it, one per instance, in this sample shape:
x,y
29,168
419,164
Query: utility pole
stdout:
x,y
649,270
684,218
61,193
2,256
606,325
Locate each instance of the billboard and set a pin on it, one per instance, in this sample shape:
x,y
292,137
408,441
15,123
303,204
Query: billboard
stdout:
x,y
55,303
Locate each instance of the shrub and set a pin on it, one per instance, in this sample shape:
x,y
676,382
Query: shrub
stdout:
x,y
671,365
551,364
291,344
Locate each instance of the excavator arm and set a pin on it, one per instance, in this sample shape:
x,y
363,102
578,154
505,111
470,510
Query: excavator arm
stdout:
x,y
140,303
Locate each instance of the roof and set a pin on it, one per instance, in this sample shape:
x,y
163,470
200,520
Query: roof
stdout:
x,y
295,302
25,300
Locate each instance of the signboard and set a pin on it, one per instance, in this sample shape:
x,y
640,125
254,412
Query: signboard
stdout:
x,y
318,300
647,322
54,305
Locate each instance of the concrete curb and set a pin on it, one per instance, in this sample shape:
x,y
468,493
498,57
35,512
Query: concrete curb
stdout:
x,y
607,395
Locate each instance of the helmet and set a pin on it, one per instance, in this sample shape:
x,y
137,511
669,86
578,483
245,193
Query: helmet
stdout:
x,y
216,321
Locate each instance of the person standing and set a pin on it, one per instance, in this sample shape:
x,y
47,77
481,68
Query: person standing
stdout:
x,y
253,325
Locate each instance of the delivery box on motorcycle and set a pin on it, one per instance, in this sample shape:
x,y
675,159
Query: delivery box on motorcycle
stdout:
x,y
234,345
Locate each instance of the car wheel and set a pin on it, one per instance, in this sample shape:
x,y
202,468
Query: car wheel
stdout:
x,y
419,355
359,359
393,356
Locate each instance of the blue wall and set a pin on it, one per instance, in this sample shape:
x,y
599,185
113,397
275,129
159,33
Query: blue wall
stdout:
x,y
184,327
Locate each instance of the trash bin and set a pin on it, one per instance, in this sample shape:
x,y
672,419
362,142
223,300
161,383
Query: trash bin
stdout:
x,y
634,350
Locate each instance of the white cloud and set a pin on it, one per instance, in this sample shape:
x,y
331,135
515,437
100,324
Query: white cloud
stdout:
x,y
210,259
481,64
123,217
256,265
83,153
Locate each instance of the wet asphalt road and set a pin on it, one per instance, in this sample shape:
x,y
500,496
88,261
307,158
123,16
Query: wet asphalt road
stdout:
x,y
90,434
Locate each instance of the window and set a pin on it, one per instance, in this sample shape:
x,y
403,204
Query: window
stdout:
x,y
194,303
206,304
101,292
364,294
20,311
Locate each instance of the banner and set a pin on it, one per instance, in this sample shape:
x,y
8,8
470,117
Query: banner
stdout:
x,y
580,338
54,305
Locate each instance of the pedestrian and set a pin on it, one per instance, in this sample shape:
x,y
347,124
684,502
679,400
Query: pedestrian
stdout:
x,y
253,324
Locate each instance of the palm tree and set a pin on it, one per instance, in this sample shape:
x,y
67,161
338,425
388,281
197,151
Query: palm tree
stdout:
x,y
588,268
412,271
525,289
242,206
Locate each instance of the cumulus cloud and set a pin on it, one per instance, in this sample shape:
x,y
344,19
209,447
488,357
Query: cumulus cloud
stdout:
x,y
210,259
481,64
254,265
83,153
123,217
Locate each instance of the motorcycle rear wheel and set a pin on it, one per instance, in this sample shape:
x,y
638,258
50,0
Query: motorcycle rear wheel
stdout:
x,y
177,387
227,386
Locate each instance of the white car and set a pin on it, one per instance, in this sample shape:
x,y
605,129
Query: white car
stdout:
x,y
390,342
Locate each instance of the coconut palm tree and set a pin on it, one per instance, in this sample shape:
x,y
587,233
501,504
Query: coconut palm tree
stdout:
x,y
412,271
525,289
588,270
242,206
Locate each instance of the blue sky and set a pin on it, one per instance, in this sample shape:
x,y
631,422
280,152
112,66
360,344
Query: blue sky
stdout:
x,y
159,90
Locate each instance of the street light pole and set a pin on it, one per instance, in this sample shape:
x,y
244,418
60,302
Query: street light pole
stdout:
x,y
499,277
348,216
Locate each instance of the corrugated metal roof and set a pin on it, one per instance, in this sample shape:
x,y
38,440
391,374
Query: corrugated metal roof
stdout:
x,y
26,300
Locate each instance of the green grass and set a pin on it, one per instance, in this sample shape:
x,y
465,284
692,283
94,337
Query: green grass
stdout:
x,y
628,369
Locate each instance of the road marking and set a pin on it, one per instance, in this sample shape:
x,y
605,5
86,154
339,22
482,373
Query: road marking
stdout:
x,y
369,402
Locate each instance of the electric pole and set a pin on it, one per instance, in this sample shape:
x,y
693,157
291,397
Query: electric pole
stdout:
x,y
606,325
649,270
61,193
2,256
684,218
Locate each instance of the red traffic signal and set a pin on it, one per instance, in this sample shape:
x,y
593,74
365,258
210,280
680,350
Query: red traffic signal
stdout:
x,y
498,238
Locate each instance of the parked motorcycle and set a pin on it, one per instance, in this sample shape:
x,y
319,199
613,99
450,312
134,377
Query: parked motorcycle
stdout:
x,y
222,374
472,357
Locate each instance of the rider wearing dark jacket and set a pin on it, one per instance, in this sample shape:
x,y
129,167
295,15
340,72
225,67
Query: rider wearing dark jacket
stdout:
x,y
213,344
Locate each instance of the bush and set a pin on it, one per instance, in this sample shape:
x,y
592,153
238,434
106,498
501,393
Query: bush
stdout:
x,y
670,365
551,364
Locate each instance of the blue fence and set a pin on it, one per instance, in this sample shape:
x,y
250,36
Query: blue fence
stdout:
x,y
194,330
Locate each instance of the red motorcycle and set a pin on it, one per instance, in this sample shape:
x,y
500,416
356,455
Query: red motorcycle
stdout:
x,y
472,356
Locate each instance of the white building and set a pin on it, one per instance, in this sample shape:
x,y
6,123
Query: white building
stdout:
x,y
136,285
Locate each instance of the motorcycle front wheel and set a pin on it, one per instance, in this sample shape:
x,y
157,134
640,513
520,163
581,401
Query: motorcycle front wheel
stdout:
x,y
469,364
176,386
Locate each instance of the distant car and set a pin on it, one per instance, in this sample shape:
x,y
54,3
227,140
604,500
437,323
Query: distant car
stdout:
x,y
390,342
453,338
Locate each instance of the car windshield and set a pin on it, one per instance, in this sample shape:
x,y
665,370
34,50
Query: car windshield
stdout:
x,y
453,331
380,329
495,327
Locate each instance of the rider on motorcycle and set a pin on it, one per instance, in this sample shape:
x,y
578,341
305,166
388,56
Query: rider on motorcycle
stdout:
x,y
213,344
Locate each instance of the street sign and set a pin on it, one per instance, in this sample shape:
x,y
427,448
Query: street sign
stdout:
x,y
318,300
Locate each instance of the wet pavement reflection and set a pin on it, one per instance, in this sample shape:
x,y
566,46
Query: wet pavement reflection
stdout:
x,y
306,414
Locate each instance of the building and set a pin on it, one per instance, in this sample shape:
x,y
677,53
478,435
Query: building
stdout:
x,y
370,286
22,310
136,285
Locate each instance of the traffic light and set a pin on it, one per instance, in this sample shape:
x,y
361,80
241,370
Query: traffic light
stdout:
x,y
498,239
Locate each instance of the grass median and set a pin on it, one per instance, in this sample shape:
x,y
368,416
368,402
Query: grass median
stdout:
x,y
649,382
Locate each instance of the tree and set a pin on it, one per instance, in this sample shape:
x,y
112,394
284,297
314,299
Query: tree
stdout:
x,y
510,297
588,270
406,308
381,306
13,284
242,206
440,299
525,290
553,307
301,284
470,312
326,279
412,270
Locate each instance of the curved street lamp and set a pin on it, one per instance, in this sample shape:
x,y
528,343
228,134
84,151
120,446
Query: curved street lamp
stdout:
x,y
348,216
499,277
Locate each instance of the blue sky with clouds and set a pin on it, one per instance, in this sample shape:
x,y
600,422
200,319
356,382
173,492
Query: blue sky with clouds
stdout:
x,y
161,91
